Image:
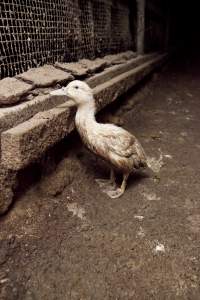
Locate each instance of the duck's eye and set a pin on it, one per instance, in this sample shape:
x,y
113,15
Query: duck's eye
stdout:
x,y
76,87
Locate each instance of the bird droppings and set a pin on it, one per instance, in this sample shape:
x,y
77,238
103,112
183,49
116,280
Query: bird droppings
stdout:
x,y
189,118
189,95
4,280
170,100
179,102
172,113
76,210
155,164
184,134
168,156
140,218
140,233
151,196
159,248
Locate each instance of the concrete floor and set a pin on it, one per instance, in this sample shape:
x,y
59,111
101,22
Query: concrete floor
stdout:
x,y
82,245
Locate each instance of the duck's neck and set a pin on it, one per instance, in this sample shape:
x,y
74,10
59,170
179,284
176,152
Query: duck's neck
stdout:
x,y
85,116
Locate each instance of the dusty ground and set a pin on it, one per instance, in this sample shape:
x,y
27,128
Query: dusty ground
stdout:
x,y
145,245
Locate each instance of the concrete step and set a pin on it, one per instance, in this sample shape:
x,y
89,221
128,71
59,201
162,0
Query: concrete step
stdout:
x,y
113,71
14,115
27,141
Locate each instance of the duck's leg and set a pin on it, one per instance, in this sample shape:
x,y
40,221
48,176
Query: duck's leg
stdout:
x,y
107,183
119,191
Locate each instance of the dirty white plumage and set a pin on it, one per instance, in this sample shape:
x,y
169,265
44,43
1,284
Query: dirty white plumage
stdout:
x,y
112,143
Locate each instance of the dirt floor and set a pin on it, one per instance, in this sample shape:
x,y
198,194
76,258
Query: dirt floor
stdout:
x,y
81,245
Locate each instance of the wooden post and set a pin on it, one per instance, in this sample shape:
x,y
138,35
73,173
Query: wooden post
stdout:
x,y
140,26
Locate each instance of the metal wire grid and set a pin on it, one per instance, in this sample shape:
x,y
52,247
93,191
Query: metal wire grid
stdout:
x,y
155,26
102,27
35,32
120,27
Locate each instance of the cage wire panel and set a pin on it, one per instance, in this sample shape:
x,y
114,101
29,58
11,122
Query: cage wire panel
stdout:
x,y
121,38
35,32
155,25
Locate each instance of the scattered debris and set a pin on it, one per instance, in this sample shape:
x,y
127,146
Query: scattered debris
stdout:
x,y
140,218
76,210
189,118
151,196
172,113
155,164
184,134
159,248
140,232
168,156
155,136
4,280
170,99
189,95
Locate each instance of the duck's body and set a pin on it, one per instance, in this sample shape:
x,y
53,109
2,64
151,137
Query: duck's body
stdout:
x,y
112,143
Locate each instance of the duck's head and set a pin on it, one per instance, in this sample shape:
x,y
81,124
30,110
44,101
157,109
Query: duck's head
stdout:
x,y
78,91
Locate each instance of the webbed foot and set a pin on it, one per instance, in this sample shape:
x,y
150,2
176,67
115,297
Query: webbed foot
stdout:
x,y
117,192
114,193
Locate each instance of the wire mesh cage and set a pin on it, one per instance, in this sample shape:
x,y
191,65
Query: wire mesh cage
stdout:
x,y
35,32
155,25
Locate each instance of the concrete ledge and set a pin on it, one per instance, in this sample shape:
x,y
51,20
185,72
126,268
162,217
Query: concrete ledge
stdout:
x,y
26,142
85,67
76,69
115,70
11,90
12,116
115,59
45,76
33,137
94,65
109,91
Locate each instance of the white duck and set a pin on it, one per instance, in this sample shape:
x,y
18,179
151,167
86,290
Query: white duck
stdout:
x,y
112,143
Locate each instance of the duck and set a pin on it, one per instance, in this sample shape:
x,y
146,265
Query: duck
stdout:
x,y
115,145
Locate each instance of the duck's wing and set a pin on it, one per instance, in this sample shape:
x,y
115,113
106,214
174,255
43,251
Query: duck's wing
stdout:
x,y
121,142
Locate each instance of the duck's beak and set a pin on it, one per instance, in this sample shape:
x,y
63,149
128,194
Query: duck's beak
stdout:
x,y
60,92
